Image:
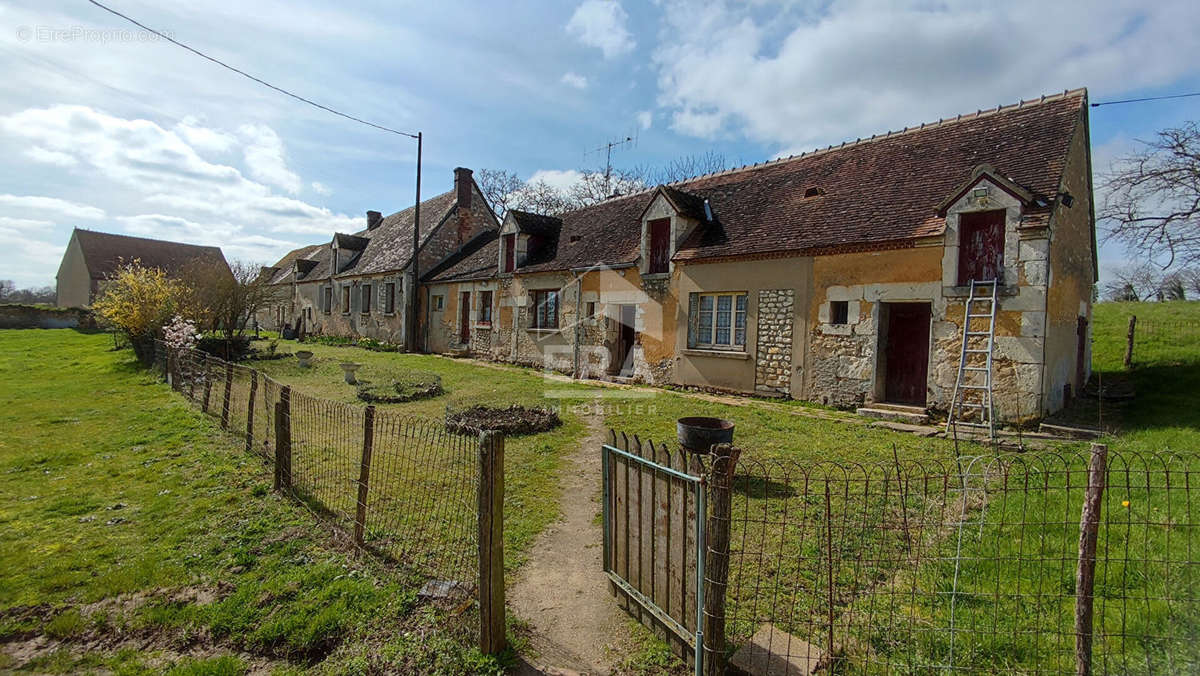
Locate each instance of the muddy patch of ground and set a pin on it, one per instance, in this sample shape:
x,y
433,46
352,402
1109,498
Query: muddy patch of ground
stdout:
x,y
100,633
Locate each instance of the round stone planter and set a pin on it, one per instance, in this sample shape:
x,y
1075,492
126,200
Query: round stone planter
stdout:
x,y
348,369
305,358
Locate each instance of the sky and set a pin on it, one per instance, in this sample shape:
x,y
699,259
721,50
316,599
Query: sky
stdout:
x,y
106,127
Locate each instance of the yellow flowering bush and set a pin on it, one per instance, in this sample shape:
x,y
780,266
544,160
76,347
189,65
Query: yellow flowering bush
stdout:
x,y
138,301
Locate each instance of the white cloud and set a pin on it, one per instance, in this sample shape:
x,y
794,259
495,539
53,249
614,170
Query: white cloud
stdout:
x,y
645,118
157,170
556,178
204,139
572,79
14,224
265,157
601,24
860,67
50,157
40,204
321,188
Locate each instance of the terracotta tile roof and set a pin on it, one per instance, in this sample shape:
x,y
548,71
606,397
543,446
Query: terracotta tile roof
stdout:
x,y
882,189
103,252
869,192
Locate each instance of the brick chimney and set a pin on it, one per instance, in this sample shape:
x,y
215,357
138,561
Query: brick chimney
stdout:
x,y
374,218
463,194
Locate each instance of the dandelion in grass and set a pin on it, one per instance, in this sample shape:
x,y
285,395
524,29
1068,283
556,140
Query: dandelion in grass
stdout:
x,y
1124,503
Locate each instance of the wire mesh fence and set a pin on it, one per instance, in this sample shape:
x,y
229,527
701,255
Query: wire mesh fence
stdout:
x,y
975,565
406,488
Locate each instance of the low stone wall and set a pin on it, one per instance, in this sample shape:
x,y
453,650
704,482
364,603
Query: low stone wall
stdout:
x,y
44,317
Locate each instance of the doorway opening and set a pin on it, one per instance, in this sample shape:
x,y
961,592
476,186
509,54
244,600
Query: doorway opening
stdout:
x,y
622,362
464,319
904,353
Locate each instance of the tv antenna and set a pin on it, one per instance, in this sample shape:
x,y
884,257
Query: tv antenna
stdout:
x,y
608,148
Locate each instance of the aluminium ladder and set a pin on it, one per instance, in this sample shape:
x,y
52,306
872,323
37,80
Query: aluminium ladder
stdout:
x,y
973,388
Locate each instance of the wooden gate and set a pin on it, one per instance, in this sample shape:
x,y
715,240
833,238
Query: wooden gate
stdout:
x,y
654,538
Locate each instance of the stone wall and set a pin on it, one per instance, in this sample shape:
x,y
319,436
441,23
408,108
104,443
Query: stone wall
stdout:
x,y
773,358
38,317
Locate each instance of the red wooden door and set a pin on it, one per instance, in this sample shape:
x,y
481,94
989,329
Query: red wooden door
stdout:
x,y
660,245
980,246
464,319
907,353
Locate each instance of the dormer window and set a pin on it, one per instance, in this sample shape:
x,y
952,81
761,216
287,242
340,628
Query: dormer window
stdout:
x,y
510,253
659,246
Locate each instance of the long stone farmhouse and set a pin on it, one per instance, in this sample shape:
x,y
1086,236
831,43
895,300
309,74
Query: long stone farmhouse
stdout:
x,y
838,276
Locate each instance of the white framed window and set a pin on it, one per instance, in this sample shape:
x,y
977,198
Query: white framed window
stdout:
x,y
438,302
719,321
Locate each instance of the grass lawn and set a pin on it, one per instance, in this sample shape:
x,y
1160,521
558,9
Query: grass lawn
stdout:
x,y
136,538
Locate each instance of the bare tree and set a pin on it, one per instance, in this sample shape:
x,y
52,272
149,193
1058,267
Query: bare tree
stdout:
x,y
226,299
504,190
1153,198
499,187
594,186
9,293
1134,283
687,166
540,197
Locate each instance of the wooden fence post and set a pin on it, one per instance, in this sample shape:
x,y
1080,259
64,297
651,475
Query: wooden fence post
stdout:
x,y
491,543
228,394
204,368
1085,574
250,410
166,352
1129,342
364,474
716,565
283,439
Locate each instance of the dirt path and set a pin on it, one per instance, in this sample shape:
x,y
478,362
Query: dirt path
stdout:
x,y
562,591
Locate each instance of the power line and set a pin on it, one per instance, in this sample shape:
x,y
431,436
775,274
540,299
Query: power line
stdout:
x,y
247,75
1148,98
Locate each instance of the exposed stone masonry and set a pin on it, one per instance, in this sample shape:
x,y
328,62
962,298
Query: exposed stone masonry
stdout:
x,y
773,365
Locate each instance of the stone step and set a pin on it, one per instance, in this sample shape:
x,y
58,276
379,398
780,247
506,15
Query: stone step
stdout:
x,y
912,415
774,652
1070,431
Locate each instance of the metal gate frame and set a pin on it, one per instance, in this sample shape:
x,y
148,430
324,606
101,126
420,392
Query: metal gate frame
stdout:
x,y
698,486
